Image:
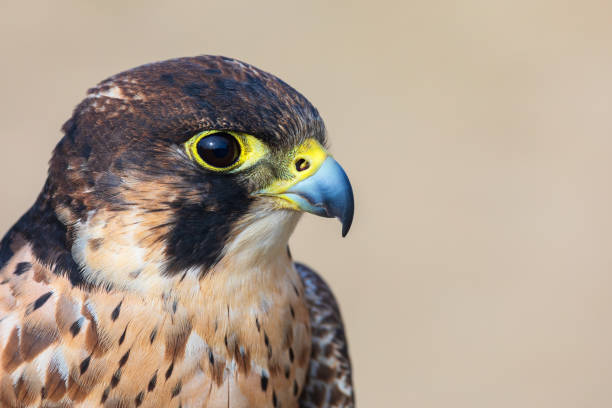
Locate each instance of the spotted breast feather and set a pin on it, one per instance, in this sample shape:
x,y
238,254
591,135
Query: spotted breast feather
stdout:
x,y
63,345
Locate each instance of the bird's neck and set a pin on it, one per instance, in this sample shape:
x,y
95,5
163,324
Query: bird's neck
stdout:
x,y
245,322
257,264
250,308
105,251
258,243
256,273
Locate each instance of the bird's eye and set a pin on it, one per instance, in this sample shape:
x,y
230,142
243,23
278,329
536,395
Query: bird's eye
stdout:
x,y
219,150
225,151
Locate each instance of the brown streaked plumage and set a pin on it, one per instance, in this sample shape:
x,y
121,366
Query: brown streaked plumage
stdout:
x,y
141,279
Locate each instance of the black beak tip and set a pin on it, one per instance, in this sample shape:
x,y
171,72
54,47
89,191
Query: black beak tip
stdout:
x,y
345,229
347,219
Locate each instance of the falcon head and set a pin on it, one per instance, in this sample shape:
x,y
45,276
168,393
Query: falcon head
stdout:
x,y
171,166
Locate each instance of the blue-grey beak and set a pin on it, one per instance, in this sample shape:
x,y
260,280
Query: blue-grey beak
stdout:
x,y
327,193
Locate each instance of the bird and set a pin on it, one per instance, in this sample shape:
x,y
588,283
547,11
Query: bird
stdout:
x,y
153,270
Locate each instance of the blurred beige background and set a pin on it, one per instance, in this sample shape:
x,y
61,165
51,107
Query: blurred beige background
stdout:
x,y
477,135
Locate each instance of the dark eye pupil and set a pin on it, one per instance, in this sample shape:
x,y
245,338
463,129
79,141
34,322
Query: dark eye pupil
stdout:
x,y
219,149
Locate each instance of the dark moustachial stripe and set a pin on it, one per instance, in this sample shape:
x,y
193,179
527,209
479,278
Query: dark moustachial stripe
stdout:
x,y
215,93
88,176
198,236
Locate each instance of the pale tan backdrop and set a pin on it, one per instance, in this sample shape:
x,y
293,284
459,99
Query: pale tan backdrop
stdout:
x,y
477,135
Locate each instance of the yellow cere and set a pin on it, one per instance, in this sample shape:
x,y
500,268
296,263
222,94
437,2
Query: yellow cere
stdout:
x,y
313,153
251,150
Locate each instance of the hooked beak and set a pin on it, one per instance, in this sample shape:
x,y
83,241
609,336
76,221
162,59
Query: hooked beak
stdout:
x,y
327,193
322,188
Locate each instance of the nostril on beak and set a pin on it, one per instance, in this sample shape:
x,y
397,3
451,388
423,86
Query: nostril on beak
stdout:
x,y
302,164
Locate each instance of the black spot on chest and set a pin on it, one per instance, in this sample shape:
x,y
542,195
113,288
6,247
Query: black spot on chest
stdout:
x,y
139,398
124,358
75,328
116,311
169,370
152,382
264,381
116,378
42,300
84,365
22,267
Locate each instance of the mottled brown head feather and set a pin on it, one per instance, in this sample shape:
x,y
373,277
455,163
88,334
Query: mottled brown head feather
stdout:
x,y
141,279
122,155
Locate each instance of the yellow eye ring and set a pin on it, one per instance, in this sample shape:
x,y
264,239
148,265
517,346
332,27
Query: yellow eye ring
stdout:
x,y
225,151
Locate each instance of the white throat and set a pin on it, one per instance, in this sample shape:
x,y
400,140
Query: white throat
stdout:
x,y
261,241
